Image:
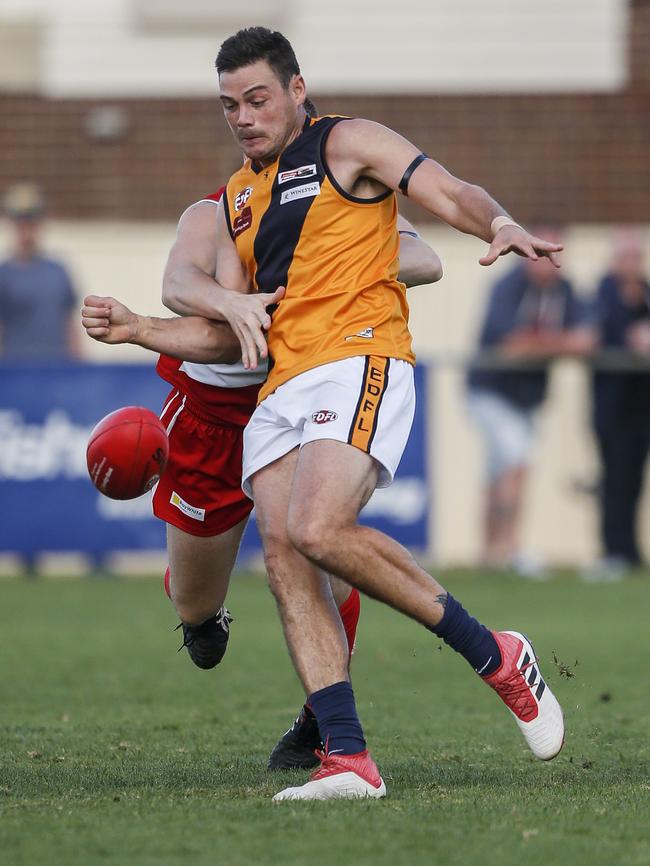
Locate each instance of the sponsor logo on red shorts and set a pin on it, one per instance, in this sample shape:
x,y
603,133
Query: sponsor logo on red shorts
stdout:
x,y
190,510
323,416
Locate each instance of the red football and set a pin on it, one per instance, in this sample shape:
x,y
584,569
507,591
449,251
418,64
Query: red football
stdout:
x,y
127,452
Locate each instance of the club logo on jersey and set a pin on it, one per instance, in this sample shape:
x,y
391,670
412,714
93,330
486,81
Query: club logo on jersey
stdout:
x,y
297,173
242,221
186,508
323,416
307,190
242,197
366,334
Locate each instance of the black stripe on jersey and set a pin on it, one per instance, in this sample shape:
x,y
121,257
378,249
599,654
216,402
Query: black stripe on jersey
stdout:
x,y
280,227
226,210
335,183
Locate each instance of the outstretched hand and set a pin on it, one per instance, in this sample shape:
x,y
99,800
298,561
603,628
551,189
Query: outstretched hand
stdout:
x,y
108,320
515,239
248,317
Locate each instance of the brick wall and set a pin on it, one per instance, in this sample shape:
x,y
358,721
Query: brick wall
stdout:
x,y
582,158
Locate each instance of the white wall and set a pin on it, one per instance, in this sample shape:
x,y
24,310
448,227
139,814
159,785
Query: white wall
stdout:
x,y
156,47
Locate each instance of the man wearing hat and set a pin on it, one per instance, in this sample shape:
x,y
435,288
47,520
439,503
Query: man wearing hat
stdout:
x,y
36,294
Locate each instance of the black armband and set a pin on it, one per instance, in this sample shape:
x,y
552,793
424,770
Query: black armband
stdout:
x,y
407,232
404,182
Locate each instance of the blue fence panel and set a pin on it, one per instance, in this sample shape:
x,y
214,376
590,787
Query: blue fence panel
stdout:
x,y
46,499
47,502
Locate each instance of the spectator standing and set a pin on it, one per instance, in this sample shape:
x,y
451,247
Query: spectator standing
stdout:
x,y
621,403
37,298
532,316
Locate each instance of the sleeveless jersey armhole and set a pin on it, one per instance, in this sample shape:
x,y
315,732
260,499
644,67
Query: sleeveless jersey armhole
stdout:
x,y
330,175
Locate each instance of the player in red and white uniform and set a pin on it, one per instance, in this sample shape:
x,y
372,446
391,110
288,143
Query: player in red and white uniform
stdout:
x,y
199,495
206,410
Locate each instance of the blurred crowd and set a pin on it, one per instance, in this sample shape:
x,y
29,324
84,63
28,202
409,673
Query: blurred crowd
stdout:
x,y
533,315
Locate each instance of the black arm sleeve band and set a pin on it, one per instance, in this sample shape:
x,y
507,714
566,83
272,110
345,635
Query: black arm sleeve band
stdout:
x,y
404,182
406,232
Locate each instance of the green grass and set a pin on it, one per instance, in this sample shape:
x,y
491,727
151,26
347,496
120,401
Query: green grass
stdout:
x,y
114,749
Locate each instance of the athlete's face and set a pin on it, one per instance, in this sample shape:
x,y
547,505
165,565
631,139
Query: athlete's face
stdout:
x,y
263,115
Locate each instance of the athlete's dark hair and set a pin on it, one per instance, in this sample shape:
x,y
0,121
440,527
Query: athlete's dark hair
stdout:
x,y
258,43
310,108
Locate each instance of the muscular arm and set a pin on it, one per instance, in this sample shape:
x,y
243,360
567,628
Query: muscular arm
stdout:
x,y
190,338
189,282
190,286
204,276
419,265
364,151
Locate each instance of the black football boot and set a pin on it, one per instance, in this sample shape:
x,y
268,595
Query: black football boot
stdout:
x,y
206,643
296,749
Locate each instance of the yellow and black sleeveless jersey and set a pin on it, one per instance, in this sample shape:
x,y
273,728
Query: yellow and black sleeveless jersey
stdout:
x,y
337,255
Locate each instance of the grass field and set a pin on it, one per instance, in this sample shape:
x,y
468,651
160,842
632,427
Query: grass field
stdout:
x,y
116,750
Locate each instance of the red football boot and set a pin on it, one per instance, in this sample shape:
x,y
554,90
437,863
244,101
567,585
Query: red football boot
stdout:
x,y
519,684
339,777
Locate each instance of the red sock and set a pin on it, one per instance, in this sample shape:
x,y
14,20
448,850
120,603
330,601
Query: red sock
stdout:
x,y
349,611
166,580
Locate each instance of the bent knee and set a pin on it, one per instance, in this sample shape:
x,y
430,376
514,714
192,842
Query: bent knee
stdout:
x,y
312,538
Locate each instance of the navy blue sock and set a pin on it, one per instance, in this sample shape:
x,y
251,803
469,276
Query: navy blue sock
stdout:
x,y
468,637
338,723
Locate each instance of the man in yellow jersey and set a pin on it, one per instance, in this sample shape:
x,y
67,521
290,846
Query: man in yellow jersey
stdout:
x,y
313,209
310,221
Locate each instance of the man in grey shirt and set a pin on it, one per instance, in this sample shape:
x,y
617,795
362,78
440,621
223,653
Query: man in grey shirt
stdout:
x,y
36,294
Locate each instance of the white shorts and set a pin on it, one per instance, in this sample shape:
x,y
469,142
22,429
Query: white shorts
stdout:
x,y
365,401
508,430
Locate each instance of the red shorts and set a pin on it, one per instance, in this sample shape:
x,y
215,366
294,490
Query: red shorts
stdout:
x,y
200,489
